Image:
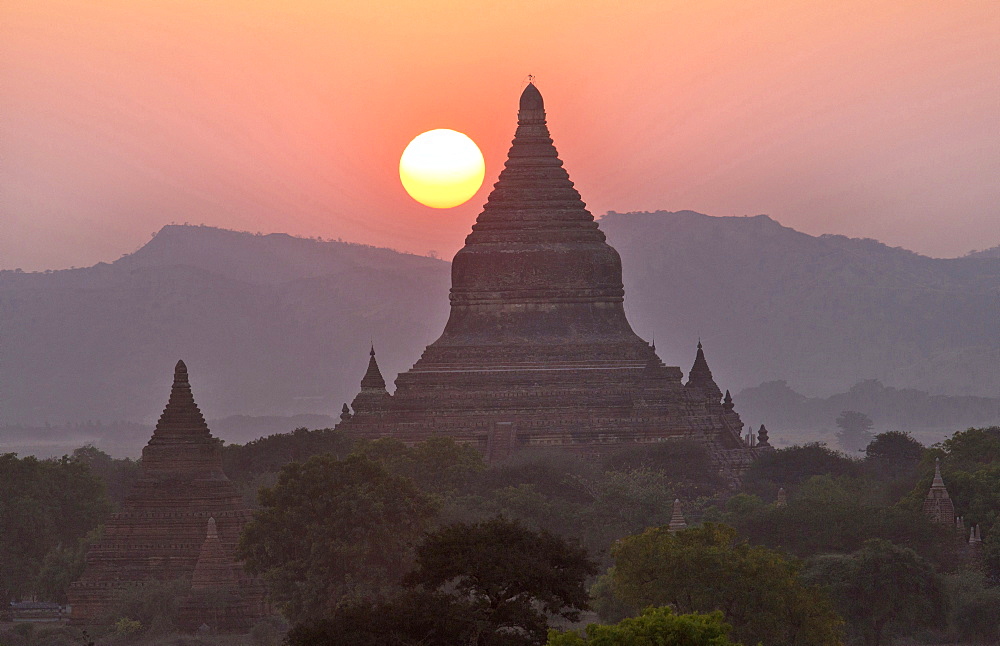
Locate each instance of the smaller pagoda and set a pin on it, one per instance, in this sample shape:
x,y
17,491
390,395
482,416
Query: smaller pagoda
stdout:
x,y
181,521
938,505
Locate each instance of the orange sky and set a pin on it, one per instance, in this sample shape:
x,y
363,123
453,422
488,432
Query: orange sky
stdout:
x,y
867,118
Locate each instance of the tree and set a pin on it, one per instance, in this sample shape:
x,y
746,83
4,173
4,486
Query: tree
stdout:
x,y
687,464
45,505
414,618
149,607
332,530
827,514
790,467
854,434
706,568
438,464
656,627
118,474
894,454
881,588
510,577
973,609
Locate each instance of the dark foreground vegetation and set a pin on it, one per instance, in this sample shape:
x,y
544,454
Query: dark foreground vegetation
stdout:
x,y
376,542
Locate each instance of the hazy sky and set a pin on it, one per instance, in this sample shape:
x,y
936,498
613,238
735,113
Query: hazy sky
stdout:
x,y
868,118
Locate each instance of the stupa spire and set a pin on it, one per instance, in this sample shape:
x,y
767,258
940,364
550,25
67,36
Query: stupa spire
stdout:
x,y
533,188
701,376
373,376
181,441
938,505
938,480
181,414
373,395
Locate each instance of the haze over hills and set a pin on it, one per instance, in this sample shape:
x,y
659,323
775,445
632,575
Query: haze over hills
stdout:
x,y
277,326
820,312
267,325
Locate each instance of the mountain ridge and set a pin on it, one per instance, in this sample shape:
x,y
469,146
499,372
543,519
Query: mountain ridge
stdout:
x,y
279,325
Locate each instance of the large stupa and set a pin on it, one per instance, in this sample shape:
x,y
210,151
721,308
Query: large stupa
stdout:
x,y
180,522
537,351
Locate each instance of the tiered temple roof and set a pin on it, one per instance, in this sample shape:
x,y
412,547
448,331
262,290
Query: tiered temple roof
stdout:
x,y
181,520
537,351
938,505
677,521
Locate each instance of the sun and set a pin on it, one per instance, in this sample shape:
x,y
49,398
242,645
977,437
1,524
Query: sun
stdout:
x,y
442,168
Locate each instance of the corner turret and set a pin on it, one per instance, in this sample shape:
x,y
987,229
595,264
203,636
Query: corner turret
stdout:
x,y
701,377
762,437
373,396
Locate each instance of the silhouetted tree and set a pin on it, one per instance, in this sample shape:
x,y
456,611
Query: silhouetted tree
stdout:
x,y
894,454
508,577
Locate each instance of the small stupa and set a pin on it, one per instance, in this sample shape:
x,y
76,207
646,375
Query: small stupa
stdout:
x,y
677,521
938,505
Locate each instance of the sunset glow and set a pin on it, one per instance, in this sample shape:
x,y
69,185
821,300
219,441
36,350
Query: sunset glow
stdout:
x,y
868,119
442,168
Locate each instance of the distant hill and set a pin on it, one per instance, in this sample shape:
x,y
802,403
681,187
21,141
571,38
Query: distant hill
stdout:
x,y
268,325
275,326
820,312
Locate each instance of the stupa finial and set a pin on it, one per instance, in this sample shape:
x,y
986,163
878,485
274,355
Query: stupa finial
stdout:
x,y
531,98
938,480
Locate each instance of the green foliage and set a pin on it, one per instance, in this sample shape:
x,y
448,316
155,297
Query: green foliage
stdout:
x,y
686,463
511,577
268,454
439,464
415,618
331,530
126,627
706,568
970,465
973,609
829,514
654,627
44,504
489,584
794,465
973,448
151,607
881,589
556,475
893,455
63,565
118,475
